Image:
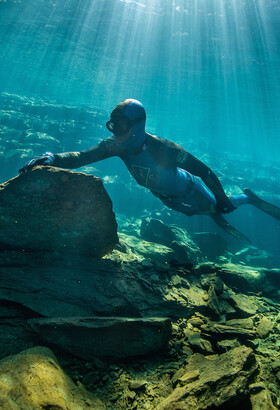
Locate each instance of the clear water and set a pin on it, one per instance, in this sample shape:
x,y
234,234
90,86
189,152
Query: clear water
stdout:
x,y
207,72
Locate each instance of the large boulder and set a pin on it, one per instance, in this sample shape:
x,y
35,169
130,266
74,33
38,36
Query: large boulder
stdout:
x,y
33,379
114,337
57,210
55,285
219,381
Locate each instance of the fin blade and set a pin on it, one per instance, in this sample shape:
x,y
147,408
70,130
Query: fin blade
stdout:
x,y
264,206
223,223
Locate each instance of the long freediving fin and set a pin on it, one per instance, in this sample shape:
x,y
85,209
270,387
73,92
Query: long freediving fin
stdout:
x,y
223,223
264,206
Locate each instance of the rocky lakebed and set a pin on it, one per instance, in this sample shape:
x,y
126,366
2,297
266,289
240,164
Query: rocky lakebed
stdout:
x,y
92,318
123,311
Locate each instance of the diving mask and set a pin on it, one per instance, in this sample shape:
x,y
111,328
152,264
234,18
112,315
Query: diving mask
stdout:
x,y
120,124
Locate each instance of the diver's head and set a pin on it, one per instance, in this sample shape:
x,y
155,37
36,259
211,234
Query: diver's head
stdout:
x,y
127,123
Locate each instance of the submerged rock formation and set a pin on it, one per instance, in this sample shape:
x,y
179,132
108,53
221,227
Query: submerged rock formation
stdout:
x,y
113,337
55,285
220,311
57,210
33,379
184,249
215,382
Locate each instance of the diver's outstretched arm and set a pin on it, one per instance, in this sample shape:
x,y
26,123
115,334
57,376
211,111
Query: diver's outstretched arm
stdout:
x,y
71,160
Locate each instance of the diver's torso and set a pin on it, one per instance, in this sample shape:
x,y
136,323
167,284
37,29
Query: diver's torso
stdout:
x,y
148,173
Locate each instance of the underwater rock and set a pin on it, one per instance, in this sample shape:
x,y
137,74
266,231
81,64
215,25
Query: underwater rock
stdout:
x,y
247,323
253,256
227,344
245,305
59,284
154,251
260,397
198,344
264,327
220,331
185,250
56,284
243,278
221,380
216,298
52,209
212,279
33,379
213,301
272,282
115,337
154,230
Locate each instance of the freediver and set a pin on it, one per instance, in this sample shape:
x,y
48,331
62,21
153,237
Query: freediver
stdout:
x,y
164,167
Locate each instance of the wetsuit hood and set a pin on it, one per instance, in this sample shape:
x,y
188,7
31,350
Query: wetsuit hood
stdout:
x,y
133,110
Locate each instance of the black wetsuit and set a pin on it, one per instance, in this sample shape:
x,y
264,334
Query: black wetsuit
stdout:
x,y
161,166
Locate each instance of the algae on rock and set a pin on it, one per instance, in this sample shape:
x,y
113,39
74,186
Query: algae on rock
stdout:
x,y
33,379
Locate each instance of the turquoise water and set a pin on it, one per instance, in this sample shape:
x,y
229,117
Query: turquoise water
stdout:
x,y
207,72
204,69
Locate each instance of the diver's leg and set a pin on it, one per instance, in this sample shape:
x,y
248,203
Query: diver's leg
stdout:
x,y
207,205
196,200
206,202
180,204
195,205
199,200
264,206
239,200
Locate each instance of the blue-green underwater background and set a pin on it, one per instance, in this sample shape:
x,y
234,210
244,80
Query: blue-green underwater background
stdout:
x,y
207,72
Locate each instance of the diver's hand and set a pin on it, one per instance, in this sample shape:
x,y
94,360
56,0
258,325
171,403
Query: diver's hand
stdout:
x,y
224,205
45,159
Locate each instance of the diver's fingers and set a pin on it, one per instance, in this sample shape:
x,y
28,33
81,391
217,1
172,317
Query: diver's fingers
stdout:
x,y
32,163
